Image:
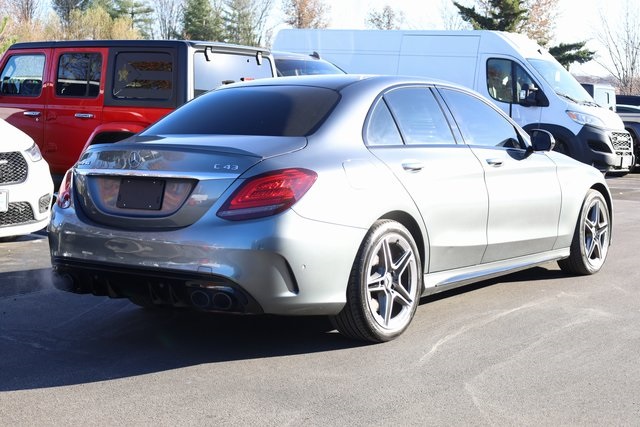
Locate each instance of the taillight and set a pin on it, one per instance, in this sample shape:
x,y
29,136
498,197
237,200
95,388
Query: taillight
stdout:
x,y
64,193
267,194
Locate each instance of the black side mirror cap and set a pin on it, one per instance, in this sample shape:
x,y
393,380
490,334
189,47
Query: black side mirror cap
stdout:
x,y
542,140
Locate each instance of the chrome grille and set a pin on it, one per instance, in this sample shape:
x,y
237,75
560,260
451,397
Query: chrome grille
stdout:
x,y
44,203
13,168
622,143
18,213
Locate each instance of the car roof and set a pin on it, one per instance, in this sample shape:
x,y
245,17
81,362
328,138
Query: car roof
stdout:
x,y
340,81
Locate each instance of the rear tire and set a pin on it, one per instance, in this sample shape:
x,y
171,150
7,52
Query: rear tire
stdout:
x,y
591,237
384,286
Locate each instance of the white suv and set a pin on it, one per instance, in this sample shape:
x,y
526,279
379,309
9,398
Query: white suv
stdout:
x,y
26,187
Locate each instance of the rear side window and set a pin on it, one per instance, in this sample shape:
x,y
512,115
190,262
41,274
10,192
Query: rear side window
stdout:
x,y
381,128
143,75
22,75
255,110
419,116
79,75
214,69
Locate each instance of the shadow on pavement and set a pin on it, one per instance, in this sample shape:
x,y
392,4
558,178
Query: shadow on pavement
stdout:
x,y
50,338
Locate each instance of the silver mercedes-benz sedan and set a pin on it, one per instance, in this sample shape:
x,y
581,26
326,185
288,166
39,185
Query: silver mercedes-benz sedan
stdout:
x,y
346,196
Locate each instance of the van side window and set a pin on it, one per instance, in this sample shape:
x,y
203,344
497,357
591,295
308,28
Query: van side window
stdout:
x,y
499,80
419,116
479,123
22,75
507,81
143,75
79,75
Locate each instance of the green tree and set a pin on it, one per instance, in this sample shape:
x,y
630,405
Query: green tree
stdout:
x,y
137,11
201,21
499,15
245,20
514,16
64,8
568,53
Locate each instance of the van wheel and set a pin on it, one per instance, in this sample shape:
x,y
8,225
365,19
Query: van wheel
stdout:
x,y
591,237
384,286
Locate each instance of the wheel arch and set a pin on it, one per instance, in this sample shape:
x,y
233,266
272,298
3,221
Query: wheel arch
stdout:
x,y
607,197
412,225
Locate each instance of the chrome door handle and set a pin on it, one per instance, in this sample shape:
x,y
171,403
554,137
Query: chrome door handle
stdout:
x,y
413,166
495,162
31,113
83,116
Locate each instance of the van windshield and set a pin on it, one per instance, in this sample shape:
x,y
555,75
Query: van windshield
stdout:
x,y
562,82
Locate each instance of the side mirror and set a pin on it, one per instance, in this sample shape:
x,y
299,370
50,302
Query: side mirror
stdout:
x,y
531,96
541,140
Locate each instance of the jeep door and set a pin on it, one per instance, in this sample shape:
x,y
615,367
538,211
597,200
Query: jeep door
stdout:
x,y
22,93
75,104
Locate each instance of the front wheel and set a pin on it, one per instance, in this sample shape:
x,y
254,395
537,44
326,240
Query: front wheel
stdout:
x,y
384,286
591,238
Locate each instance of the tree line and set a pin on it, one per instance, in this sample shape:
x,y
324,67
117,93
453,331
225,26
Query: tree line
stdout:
x,y
248,21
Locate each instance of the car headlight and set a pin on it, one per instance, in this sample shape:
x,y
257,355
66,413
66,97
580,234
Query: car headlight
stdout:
x,y
34,153
585,119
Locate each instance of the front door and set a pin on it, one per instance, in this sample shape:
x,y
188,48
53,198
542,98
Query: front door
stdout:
x,y
524,191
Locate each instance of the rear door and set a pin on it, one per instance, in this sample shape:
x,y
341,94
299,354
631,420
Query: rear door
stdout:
x,y
22,92
75,106
409,132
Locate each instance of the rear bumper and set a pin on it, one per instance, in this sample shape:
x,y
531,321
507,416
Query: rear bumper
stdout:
x,y
160,287
285,265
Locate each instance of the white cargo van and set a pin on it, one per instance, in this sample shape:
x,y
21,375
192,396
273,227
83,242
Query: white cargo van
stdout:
x,y
511,70
603,94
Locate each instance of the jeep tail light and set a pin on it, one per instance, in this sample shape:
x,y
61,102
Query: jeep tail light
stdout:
x,y
267,194
64,193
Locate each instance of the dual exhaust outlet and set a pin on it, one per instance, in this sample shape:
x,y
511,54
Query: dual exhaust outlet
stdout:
x,y
217,298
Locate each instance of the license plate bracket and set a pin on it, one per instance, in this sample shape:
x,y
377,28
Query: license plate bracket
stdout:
x,y
141,193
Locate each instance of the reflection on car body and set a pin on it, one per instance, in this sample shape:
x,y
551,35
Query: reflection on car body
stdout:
x,y
352,205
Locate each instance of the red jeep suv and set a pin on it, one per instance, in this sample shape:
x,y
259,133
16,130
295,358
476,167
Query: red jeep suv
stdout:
x,y
69,94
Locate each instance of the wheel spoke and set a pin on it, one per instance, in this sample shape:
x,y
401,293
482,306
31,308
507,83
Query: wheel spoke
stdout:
x,y
386,308
400,295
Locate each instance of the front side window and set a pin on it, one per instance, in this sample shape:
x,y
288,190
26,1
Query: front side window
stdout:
x,y
479,123
22,75
143,75
79,75
507,81
419,117
214,69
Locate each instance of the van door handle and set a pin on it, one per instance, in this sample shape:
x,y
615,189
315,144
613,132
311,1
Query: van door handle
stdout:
x,y
496,163
31,113
413,166
83,116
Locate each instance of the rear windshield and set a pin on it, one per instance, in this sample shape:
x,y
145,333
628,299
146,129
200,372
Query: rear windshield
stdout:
x,y
256,110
